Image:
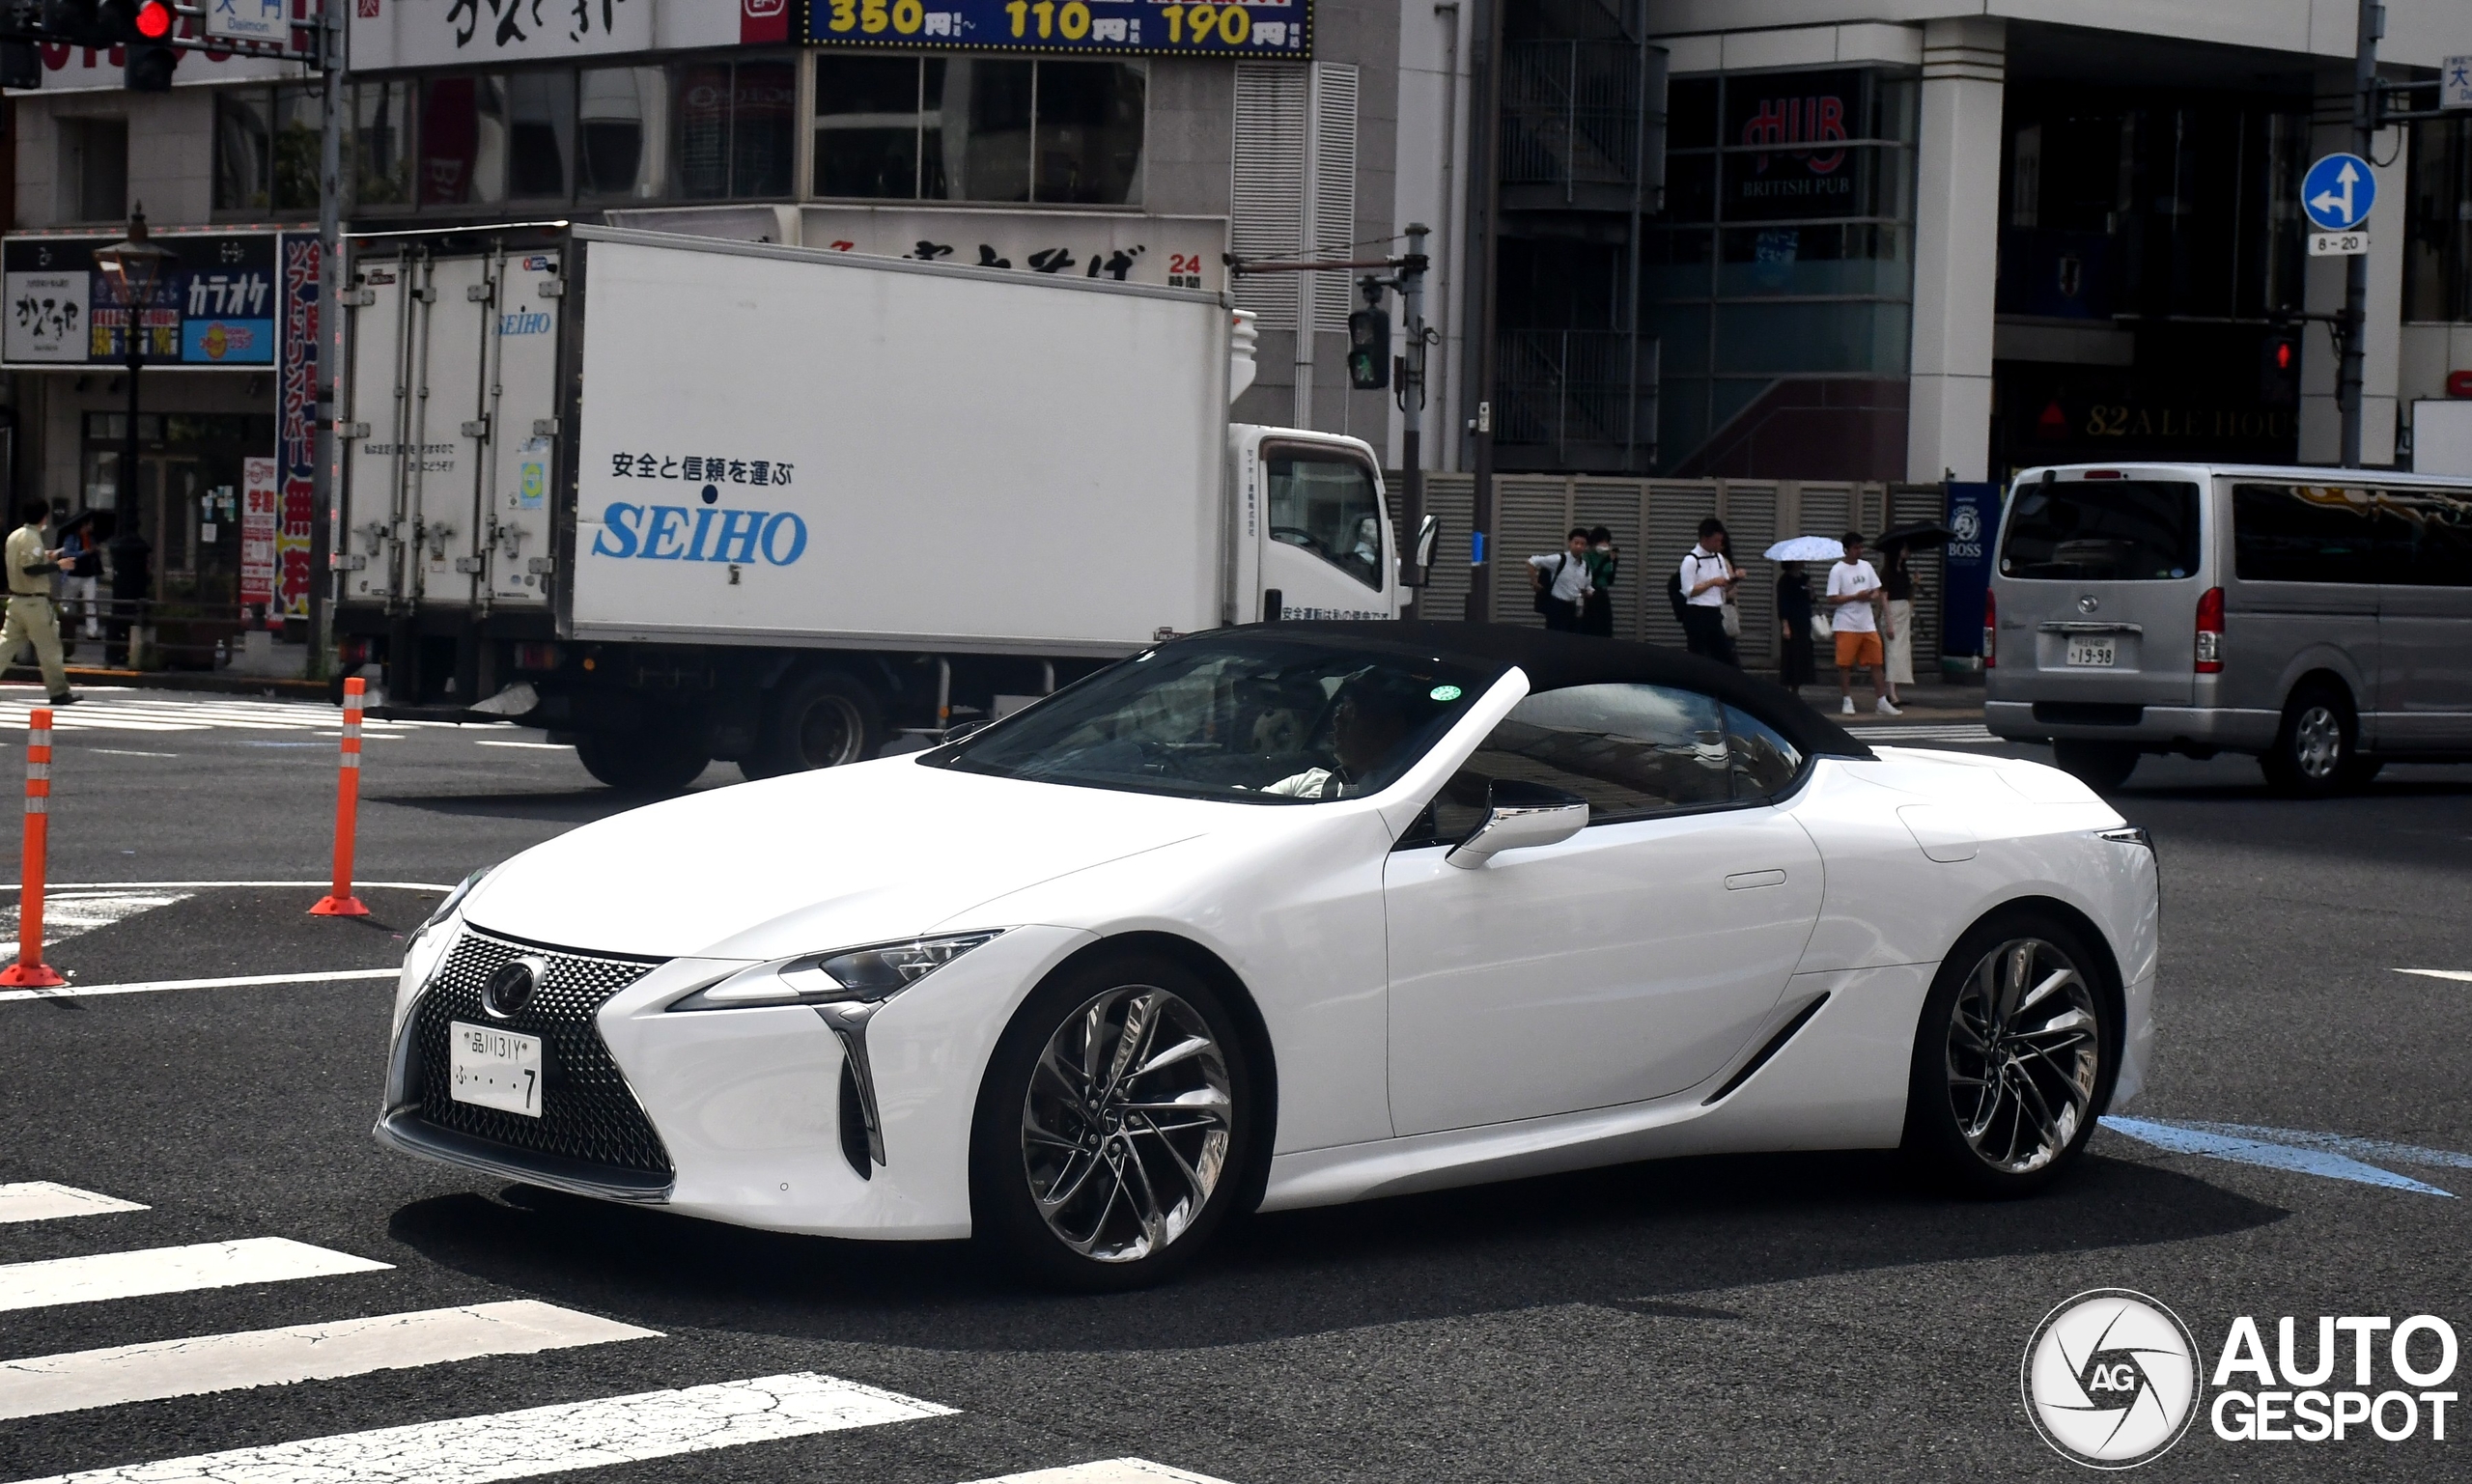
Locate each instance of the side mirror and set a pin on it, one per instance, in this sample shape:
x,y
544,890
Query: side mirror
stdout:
x,y
1519,816
1419,561
961,729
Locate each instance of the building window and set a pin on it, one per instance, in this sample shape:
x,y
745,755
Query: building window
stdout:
x,y
733,131
1785,253
94,169
266,146
381,145
974,128
2437,249
620,130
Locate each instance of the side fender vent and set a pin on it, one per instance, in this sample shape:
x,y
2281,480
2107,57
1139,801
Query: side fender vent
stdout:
x,y
1776,1043
853,1124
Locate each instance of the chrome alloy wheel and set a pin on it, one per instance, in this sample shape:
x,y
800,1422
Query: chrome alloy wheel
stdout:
x,y
2317,741
2022,1055
1126,1124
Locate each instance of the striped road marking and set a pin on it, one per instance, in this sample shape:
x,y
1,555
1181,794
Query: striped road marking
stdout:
x,y
125,709
135,1275
65,914
546,1440
40,1200
2464,974
1110,1471
42,1384
1894,735
151,986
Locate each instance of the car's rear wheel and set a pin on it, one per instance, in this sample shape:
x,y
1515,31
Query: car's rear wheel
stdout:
x,y
2315,749
2102,766
2012,1058
1114,1127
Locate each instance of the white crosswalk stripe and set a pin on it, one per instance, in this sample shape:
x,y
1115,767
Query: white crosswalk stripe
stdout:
x,y
1953,733
108,1275
40,1200
113,708
1107,1470
40,1384
546,1439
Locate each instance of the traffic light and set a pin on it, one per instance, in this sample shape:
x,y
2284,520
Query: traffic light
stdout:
x,y
1369,350
76,23
147,60
2279,369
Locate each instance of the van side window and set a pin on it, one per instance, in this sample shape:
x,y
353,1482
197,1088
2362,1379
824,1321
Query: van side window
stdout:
x,y
2314,533
2129,530
2435,536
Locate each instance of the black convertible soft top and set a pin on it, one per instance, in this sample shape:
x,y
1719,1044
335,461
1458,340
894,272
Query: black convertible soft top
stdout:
x,y
1556,660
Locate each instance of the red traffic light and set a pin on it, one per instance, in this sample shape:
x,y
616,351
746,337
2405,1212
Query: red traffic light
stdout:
x,y
154,20
2283,356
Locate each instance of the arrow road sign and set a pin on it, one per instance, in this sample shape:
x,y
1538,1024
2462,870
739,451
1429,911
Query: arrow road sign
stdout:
x,y
2338,192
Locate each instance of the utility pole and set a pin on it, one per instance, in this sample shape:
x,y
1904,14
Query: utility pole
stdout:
x,y
330,325
2349,371
1412,391
1480,584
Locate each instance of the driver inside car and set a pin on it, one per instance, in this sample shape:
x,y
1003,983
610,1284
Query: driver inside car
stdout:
x,y
1367,724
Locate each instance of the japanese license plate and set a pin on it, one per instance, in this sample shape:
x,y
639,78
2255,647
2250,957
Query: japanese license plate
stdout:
x,y
491,1067
2104,650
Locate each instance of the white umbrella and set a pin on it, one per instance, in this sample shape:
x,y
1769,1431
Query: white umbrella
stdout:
x,y
1806,548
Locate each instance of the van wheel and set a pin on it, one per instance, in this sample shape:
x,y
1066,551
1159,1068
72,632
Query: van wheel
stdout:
x,y
821,719
656,760
2102,766
2313,752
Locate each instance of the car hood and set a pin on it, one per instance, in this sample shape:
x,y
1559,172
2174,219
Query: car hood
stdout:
x,y
818,861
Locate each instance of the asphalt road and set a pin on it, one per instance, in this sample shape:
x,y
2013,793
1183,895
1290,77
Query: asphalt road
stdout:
x,y
1781,1317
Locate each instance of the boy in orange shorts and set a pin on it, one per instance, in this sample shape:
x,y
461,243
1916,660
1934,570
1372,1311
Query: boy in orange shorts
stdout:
x,y
1857,609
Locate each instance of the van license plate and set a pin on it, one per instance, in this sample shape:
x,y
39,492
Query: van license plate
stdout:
x,y
2104,652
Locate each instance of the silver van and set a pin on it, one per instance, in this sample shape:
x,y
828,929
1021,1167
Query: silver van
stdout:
x,y
2319,619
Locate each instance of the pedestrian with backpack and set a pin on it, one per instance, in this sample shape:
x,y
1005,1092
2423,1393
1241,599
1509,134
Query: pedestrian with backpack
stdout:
x,y
1604,563
1563,582
1706,581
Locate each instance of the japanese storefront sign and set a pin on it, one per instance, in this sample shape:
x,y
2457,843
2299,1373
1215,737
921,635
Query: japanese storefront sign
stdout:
x,y
1176,252
261,517
388,33
1789,133
1249,28
296,425
214,305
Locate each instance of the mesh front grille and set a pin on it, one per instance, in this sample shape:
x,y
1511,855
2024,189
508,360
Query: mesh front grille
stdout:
x,y
587,1112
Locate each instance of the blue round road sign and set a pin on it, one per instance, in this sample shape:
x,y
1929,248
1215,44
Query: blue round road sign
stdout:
x,y
2338,192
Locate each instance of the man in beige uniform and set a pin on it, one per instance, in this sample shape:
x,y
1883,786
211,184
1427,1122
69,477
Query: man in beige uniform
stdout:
x,y
31,565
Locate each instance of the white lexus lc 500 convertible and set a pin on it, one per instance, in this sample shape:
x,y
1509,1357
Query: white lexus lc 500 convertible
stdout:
x,y
1280,916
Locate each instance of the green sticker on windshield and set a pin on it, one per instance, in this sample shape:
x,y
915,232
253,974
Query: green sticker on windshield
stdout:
x,y
1444,693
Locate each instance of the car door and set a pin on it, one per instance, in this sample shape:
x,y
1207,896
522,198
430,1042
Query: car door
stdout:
x,y
1325,543
1629,962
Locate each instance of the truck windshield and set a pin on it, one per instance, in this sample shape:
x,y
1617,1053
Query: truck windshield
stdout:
x,y
1324,504
1252,719
2129,530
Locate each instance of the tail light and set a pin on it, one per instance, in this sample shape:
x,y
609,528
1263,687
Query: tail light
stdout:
x,y
2210,632
1990,630
539,657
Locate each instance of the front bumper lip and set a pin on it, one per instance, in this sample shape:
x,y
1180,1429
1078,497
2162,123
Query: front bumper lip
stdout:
x,y
405,1130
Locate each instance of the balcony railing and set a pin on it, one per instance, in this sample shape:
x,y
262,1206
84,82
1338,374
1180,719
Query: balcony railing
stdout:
x,y
1570,113
1587,395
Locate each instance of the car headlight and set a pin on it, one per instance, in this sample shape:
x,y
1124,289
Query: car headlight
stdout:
x,y
867,974
454,900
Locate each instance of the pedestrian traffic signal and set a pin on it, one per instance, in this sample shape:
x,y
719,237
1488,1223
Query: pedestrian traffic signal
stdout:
x,y
2279,369
76,23
1369,350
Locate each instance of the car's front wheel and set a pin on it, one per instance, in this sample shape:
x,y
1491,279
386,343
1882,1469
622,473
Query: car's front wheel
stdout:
x,y
1114,1126
2014,1056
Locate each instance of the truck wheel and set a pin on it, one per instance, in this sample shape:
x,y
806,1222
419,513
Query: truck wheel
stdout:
x,y
653,761
821,719
2315,749
2102,766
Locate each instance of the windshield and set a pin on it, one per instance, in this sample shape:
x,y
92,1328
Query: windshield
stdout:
x,y
2129,530
1254,718
1324,504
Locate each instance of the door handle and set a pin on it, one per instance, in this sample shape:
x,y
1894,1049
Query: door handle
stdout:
x,y
1745,881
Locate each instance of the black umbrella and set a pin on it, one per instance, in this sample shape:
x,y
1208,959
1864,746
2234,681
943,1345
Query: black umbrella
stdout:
x,y
1922,534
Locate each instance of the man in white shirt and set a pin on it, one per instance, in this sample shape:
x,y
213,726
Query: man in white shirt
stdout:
x,y
1708,580
1858,607
1561,582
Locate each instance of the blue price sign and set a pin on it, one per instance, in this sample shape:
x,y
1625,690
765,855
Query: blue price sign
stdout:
x,y
1141,28
2338,192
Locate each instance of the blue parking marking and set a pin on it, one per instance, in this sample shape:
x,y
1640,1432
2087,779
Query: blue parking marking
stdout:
x,y
2329,1155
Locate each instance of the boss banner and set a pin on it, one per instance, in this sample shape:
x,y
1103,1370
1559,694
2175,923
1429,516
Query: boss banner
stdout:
x,y
1148,28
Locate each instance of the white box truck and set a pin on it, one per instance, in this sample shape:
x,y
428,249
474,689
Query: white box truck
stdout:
x,y
677,498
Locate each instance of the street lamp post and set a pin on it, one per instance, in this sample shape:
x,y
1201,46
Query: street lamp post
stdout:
x,y
133,265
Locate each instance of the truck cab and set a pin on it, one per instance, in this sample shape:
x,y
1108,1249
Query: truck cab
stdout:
x,y
1313,533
